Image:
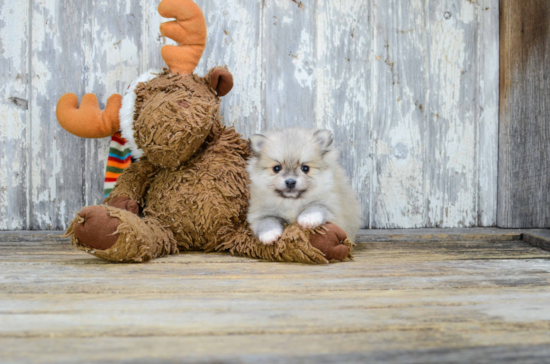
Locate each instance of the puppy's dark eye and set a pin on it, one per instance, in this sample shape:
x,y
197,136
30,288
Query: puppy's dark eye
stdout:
x,y
277,169
305,169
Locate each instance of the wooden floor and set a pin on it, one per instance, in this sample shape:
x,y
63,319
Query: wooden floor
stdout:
x,y
422,297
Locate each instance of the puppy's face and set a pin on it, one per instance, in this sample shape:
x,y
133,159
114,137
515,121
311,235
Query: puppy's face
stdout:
x,y
291,162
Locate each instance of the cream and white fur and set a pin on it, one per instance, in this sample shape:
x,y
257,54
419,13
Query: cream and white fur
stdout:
x,y
322,191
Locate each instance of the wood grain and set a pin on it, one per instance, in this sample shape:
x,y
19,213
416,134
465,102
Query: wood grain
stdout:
x,y
524,134
57,158
344,96
14,114
422,300
487,111
399,123
371,235
302,349
79,48
289,53
451,173
538,238
234,40
434,151
408,87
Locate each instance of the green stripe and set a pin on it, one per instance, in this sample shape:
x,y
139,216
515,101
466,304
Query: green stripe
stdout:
x,y
119,152
107,192
114,169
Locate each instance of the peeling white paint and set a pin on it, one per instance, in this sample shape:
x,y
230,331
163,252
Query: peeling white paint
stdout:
x,y
304,72
488,56
43,178
396,82
13,115
12,128
13,15
234,40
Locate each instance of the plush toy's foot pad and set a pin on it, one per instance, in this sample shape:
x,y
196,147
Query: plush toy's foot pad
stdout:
x,y
331,242
96,228
119,235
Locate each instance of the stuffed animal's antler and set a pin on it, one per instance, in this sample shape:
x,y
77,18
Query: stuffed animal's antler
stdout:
x,y
189,30
89,121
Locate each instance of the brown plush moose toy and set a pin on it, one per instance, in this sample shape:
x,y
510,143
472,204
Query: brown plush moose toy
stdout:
x,y
189,189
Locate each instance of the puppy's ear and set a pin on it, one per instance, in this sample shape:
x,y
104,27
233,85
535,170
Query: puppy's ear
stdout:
x,y
257,142
324,138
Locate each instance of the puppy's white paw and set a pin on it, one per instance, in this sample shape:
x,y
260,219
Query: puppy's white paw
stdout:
x,y
269,237
311,220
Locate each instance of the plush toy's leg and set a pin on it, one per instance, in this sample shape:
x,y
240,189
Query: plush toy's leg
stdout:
x,y
296,245
119,235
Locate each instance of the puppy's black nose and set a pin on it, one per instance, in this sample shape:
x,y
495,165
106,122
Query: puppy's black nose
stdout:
x,y
290,183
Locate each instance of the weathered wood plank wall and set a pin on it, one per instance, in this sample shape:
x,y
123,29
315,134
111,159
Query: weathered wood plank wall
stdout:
x,y
524,161
410,89
14,114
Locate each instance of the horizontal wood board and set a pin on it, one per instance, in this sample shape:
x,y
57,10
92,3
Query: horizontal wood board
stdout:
x,y
411,301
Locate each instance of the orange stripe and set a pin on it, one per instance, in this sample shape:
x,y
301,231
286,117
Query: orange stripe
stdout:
x,y
121,165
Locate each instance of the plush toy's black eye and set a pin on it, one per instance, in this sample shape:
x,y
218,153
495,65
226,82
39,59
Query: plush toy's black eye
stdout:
x,y
305,169
277,169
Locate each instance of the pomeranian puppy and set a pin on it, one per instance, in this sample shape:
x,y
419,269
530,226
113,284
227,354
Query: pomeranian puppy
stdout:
x,y
295,176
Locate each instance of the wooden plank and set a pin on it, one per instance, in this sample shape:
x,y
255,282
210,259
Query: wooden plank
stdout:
x,y
487,91
400,85
538,238
151,40
488,234
469,249
289,55
112,43
28,236
234,40
181,315
344,96
451,173
396,302
377,348
458,234
58,66
524,145
390,267
14,114
433,92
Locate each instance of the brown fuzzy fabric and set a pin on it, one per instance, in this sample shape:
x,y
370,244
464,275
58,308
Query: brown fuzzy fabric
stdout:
x,y
192,183
125,203
174,115
140,240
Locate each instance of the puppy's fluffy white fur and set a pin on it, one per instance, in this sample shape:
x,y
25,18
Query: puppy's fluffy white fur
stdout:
x,y
321,190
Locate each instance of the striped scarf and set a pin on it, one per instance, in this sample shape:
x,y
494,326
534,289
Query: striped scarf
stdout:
x,y
119,159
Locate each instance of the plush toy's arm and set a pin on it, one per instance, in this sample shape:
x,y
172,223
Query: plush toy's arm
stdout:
x,y
134,182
